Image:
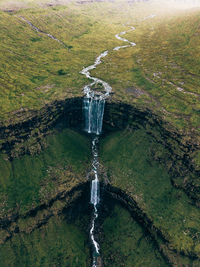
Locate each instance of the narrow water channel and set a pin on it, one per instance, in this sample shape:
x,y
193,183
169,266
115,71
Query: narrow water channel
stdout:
x,y
93,105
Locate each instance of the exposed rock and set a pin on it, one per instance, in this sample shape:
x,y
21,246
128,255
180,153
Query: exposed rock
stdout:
x,y
25,136
32,126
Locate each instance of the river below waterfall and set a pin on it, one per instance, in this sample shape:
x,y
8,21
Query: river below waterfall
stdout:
x,y
93,105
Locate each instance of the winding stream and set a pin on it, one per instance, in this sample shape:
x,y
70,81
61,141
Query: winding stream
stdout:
x,y
93,104
124,40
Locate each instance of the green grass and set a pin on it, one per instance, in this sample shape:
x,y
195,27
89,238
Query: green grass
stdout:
x,y
162,49
129,161
170,50
37,70
58,243
30,180
126,244
32,62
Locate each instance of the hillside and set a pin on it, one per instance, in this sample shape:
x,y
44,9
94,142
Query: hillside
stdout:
x,y
149,147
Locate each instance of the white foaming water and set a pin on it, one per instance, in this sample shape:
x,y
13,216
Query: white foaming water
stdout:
x,y
93,112
93,105
95,191
124,40
95,196
89,93
94,102
94,199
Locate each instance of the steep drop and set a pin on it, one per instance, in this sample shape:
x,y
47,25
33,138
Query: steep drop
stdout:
x,y
93,105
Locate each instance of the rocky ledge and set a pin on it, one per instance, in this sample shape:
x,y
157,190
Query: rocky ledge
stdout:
x,y
159,238
25,136
181,147
33,219
24,132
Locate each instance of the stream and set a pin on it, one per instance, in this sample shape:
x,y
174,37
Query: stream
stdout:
x,y
40,31
93,105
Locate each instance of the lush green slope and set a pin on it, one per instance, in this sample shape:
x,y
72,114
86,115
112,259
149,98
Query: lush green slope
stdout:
x,y
34,179
126,244
58,243
129,159
36,69
160,73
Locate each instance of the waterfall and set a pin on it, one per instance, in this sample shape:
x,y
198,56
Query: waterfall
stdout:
x,y
93,112
95,198
93,106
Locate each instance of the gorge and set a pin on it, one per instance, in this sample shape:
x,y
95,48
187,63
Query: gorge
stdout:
x,y
104,176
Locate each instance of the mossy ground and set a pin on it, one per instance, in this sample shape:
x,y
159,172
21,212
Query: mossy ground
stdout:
x,y
33,179
126,244
160,73
127,155
36,70
57,243
163,67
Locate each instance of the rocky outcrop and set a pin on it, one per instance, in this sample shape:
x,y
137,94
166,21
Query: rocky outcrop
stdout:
x,y
70,203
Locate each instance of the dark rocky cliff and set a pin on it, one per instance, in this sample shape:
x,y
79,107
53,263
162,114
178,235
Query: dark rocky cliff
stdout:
x,y
26,137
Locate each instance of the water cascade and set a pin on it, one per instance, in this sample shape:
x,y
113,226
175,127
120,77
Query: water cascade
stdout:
x,y
93,111
93,107
95,198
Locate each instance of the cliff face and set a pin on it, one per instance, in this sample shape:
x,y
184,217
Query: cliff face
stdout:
x,y
53,233
36,217
166,149
136,168
171,256
32,126
26,136
180,147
